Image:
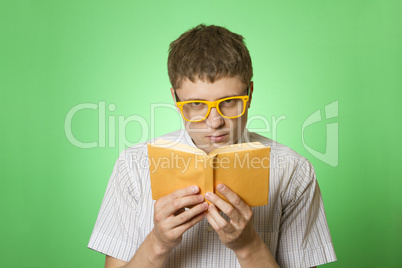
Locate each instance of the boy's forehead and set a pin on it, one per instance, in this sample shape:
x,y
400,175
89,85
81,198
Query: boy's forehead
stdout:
x,y
202,89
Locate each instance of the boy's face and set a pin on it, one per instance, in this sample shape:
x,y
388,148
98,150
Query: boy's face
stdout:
x,y
215,131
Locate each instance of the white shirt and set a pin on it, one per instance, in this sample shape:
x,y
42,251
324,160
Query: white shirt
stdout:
x,y
293,224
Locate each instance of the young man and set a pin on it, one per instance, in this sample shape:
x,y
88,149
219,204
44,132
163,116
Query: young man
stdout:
x,y
210,71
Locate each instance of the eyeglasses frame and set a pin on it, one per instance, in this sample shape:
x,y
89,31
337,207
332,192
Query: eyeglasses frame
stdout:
x,y
213,104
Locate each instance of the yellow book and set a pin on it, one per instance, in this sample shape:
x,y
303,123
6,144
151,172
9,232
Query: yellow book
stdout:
x,y
243,167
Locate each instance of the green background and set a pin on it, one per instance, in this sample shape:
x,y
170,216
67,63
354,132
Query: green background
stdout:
x,y
55,55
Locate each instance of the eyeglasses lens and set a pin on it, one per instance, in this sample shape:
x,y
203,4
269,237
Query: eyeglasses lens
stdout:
x,y
198,110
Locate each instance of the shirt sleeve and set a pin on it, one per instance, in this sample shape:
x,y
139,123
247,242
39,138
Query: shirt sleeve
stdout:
x,y
304,238
115,232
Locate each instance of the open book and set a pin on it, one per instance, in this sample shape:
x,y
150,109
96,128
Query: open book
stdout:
x,y
243,167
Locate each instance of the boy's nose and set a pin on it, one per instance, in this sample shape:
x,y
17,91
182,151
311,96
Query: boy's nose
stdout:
x,y
214,119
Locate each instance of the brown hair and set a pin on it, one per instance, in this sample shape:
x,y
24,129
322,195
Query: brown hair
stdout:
x,y
208,53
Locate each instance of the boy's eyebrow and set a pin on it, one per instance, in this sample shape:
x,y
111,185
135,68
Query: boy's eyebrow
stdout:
x,y
227,96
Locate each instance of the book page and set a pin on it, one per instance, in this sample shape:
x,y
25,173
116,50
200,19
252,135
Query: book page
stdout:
x,y
176,146
246,172
237,147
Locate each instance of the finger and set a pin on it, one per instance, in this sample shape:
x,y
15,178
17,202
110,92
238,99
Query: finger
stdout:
x,y
220,222
179,230
212,221
226,208
233,198
181,202
190,190
189,214
163,201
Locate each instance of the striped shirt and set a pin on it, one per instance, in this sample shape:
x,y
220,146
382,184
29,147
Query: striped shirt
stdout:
x,y
293,224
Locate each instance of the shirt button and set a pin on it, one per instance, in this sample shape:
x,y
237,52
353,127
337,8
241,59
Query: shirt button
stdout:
x,y
210,229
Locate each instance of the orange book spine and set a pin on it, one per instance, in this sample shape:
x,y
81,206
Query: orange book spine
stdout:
x,y
209,175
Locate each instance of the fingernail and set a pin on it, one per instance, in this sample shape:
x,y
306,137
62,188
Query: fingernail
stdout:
x,y
221,187
205,205
208,195
195,189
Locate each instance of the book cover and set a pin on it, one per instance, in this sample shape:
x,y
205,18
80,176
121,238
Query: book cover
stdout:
x,y
243,167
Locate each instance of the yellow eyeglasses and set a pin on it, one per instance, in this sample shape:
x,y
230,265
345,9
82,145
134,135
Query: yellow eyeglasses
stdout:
x,y
198,110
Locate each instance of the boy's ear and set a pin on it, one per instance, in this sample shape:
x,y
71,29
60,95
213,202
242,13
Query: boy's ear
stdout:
x,y
251,88
173,95
174,99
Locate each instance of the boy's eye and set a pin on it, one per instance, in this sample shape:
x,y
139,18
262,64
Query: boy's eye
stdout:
x,y
229,102
197,105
